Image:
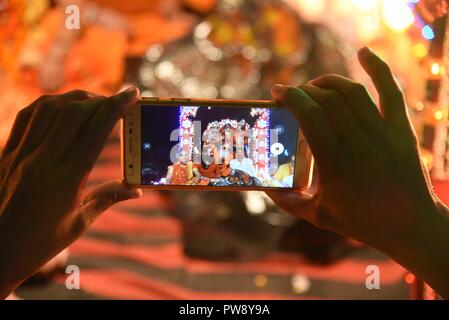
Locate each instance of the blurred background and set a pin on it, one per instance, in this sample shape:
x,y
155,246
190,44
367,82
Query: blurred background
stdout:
x,y
197,245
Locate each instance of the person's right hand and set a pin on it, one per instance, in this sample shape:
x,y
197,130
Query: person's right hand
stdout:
x,y
43,168
373,186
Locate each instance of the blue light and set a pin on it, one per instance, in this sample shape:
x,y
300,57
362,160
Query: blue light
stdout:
x,y
427,32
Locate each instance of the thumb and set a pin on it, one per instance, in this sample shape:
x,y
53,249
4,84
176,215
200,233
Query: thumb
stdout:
x,y
300,204
102,197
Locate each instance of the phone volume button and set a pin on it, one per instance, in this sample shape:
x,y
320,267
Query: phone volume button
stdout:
x,y
130,145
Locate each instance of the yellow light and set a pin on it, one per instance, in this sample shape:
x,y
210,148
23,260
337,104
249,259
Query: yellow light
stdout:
x,y
419,106
260,280
311,8
438,115
365,5
435,69
397,14
420,50
342,7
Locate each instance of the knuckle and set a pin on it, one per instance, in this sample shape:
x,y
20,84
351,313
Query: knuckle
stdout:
x,y
49,104
77,93
24,112
331,98
72,110
72,106
291,93
43,98
80,224
105,203
312,113
357,89
331,77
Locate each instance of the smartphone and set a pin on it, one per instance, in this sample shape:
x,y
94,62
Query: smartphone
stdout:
x,y
215,144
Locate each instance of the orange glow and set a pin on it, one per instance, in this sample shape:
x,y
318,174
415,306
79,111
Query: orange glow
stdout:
x,y
410,278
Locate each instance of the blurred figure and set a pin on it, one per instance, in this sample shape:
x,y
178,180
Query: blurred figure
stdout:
x,y
284,173
208,168
40,55
135,24
243,163
183,172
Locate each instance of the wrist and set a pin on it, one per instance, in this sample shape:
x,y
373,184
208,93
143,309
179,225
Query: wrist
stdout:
x,y
6,286
423,250
9,268
4,293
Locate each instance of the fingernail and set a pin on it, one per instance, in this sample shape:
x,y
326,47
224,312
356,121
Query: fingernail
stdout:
x,y
130,92
278,90
136,193
366,52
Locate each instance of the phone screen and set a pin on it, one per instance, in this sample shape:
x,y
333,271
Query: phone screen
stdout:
x,y
218,146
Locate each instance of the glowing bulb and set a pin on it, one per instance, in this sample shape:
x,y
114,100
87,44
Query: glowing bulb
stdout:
x,y
397,14
260,280
435,69
365,5
342,7
438,115
420,50
312,8
419,106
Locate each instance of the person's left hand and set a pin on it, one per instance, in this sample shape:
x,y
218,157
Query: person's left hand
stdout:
x,y
52,148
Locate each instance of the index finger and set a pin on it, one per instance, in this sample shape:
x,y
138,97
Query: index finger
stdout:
x,y
358,98
391,98
93,135
315,125
300,204
19,126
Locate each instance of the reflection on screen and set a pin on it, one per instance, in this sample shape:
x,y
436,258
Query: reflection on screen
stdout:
x,y
218,146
